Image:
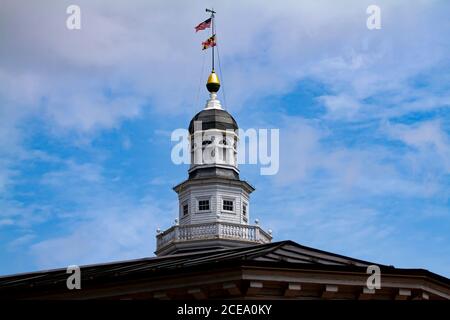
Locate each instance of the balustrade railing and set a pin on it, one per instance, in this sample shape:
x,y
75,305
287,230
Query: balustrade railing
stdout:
x,y
213,230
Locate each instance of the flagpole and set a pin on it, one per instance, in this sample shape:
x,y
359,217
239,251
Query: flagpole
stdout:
x,y
212,33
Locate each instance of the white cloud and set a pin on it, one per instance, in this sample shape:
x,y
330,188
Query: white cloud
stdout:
x,y
133,48
342,105
100,223
21,241
428,139
113,232
423,135
371,169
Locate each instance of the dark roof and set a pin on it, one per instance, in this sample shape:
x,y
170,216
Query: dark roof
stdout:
x,y
211,172
277,254
214,119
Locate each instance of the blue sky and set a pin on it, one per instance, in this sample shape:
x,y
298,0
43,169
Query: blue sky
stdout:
x,y
86,117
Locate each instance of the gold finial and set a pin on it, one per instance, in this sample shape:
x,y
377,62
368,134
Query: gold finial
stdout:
x,y
213,83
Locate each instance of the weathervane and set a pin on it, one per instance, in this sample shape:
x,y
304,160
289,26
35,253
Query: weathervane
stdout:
x,y
213,83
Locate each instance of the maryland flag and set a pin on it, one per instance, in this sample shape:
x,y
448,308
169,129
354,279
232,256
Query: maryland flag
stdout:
x,y
210,42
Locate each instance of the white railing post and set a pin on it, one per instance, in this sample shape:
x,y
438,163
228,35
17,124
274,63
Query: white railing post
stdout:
x,y
176,235
257,237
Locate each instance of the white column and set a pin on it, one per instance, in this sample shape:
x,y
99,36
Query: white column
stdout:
x,y
230,156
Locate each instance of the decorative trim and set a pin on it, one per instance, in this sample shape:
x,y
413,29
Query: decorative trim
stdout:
x,y
213,102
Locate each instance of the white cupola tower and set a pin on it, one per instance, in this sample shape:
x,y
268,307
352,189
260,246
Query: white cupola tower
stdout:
x,y
214,204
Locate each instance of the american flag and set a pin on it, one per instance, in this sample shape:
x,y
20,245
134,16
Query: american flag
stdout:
x,y
204,25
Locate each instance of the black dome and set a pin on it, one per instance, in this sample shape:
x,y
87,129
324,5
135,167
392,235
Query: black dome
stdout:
x,y
214,119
